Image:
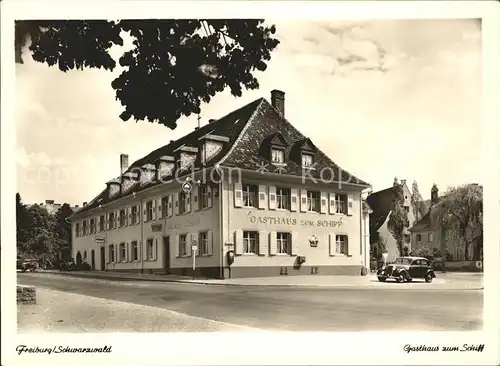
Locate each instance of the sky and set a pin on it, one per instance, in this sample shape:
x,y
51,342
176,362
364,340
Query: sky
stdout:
x,y
382,98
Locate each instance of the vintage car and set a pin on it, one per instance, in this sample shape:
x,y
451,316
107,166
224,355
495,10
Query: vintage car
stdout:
x,y
28,265
405,269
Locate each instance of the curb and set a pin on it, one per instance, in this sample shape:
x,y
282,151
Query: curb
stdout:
x,y
367,286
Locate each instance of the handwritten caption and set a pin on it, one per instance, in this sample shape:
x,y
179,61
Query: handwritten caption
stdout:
x,y
21,349
463,348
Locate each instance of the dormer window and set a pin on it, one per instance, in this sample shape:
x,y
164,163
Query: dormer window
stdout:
x,y
307,160
278,155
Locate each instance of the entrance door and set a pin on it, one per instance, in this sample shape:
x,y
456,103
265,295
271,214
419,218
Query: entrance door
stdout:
x,y
166,253
92,258
103,259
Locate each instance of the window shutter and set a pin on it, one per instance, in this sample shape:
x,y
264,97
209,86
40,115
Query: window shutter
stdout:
x,y
333,209
272,197
295,243
303,200
107,256
238,242
263,242
154,216
127,252
176,203
331,239
117,213
324,202
262,197
273,245
209,190
176,245
349,249
169,207
294,199
129,216
195,198
189,197
107,221
238,195
155,249
210,235
189,243
139,250
144,212
350,199
115,253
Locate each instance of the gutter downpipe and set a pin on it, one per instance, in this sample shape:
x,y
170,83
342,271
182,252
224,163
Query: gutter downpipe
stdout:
x,y
221,234
364,230
141,217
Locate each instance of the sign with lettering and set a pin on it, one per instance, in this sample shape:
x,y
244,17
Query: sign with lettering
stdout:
x,y
99,240
274,220
156,227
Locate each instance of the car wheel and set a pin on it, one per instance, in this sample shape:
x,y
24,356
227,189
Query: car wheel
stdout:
x,y
428,278
381,279
400,278
408,279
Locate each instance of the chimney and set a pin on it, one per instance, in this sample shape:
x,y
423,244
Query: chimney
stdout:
x,y
211,120
84,204
403,181
278,101
123,163
196,128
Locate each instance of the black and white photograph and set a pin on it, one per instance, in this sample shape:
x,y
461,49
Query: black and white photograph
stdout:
x,y
228,175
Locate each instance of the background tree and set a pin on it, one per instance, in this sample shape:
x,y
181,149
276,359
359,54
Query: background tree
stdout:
x,y
63,227
463,205
173,66
22,224
434,194
416,199
398,218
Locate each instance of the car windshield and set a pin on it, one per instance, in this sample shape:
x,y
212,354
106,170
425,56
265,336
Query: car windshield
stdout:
x,y
403,261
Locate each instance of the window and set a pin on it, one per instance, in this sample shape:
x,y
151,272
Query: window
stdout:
x,y
92,226
149,210
203,197
341,203
313,198
101,223
77,229
407,208
430,237
164,206
149,249
123,253
182,245
135,215
123,218
85,227
135,251
111,220
341,244
111,253
307,160
419,238
283,243
250,192
203,243
283,198
183,202
250,242
277,155
407,238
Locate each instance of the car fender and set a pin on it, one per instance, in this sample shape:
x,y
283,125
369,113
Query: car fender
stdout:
x,y
431,272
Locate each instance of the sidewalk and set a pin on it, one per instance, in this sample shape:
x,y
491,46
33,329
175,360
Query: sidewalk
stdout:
x,y
64,312
444,281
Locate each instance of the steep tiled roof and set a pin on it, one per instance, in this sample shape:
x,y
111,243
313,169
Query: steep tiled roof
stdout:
x,y
245,128
380,203
424,223
265,123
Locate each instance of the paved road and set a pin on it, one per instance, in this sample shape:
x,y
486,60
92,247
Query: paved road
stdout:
x,y
297,309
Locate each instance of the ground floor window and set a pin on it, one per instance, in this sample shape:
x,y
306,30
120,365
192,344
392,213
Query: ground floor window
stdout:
x,y
341,244
135,251
283,243
111,253
182,245
203,243
250,242
149,249
123,253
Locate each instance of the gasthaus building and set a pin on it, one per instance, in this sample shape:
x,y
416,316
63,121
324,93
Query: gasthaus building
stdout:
x,y
248,195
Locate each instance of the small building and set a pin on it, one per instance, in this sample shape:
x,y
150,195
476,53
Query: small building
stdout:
x,y
246,195
381,203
